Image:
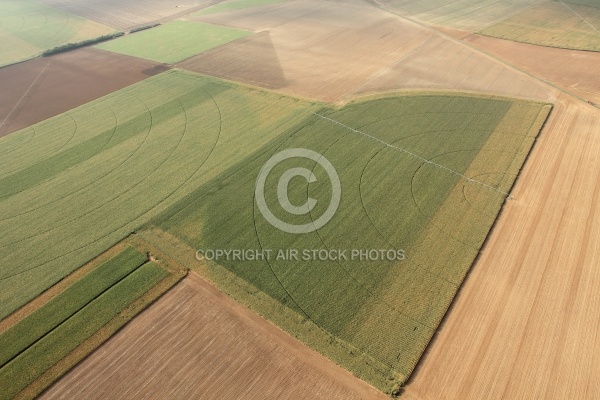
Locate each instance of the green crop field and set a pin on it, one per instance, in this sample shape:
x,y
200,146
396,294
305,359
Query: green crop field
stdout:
x,y
236,5
174,41
28,27
383,311
72,186
36,343
554,24
422,175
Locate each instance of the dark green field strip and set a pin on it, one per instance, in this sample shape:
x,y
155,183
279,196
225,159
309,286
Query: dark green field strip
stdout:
x,y
25,333
42,355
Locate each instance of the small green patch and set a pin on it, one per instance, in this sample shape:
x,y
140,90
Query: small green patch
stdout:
x,y
173,42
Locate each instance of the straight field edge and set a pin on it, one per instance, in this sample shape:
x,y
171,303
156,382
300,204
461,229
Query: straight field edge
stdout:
x,y
338,351
537,127
361,365
176,274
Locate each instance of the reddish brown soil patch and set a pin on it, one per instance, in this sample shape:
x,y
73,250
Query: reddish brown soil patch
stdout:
x,y
44,87
195,342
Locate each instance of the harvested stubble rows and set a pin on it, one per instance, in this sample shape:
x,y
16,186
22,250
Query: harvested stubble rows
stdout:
x,y
309,49
468,15
554,24
194,343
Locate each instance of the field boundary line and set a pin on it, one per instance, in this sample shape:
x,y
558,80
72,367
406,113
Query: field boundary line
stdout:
x,y
25,94
491,56
576,13
471,180
384,70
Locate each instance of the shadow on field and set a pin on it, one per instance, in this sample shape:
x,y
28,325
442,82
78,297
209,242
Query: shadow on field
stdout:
x,y
252,60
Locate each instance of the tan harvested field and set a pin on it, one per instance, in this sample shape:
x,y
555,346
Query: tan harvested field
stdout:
x,y
44,87
441,63
306,49
468,15
553,23
315,49
575,71
525,324
124,15
195,342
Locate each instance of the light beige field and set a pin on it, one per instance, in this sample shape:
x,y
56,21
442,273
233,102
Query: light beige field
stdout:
x,y
575,71
314,49
333,51
469,15
197,343
553,23
443,64
124,15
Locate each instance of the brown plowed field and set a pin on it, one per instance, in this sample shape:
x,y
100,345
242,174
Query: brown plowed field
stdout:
x,y
525,324
123,15
197,343
311,49
576,71
44,87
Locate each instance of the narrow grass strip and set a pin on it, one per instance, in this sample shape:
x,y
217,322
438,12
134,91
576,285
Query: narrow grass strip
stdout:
x,y
50,349
22,335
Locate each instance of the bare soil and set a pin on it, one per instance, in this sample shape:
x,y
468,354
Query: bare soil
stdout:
x,y
315,49
44,87
195,342
443,64
574,70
